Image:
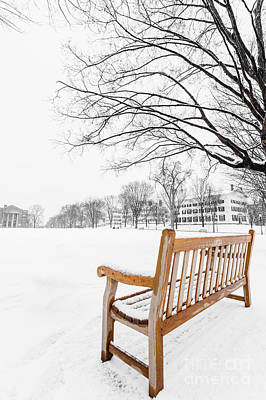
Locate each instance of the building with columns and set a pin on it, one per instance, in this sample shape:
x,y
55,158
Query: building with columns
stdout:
x,y
13,217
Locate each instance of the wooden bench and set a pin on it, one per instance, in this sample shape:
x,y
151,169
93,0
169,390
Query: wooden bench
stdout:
x,y
191,275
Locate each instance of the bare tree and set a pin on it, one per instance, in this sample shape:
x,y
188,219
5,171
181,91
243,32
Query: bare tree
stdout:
x,y
162,215
81,215
155,213
36,213
252,184
200,191
253,213
94,211
212,201
171,178
175,76
147,211
123,200
11,15
159,213
137,194
109,203
14,14
70,215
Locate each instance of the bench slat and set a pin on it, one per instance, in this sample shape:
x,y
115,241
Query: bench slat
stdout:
x,y
172,285
227,249
235,258
182,281
202,259
229,264
219,268
244,255
207,242
238,261
191,279
213,270
241,261
206,276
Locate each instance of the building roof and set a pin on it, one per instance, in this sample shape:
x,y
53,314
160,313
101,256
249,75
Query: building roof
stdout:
x,y
221,193
12,209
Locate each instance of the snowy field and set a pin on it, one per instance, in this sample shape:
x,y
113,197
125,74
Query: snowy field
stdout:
x,y
50,308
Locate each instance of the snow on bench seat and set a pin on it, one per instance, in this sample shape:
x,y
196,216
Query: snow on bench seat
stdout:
x,y
135,307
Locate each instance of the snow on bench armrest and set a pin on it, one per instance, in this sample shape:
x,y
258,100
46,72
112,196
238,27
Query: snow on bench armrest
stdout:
x,y
125,276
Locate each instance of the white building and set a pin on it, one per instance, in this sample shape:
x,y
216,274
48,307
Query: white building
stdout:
x,y
13,217
225,208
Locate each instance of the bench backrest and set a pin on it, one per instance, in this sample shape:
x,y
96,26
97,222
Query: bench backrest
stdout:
x,y
191,269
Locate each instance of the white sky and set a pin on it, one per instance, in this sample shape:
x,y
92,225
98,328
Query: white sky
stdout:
x,y
33,169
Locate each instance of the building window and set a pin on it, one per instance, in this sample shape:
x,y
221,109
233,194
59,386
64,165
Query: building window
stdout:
x,y
195,219
221,217
221,208
189,219
184,219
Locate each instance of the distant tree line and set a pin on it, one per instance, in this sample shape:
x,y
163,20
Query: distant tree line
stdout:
x,y
79,215
136,200
133,201
140,201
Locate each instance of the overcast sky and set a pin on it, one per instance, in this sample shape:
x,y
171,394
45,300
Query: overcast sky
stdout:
x,y
33,169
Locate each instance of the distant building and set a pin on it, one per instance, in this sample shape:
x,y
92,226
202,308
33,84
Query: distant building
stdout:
x,y
13,217
226,208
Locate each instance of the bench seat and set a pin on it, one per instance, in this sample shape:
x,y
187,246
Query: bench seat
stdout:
x,y
135,307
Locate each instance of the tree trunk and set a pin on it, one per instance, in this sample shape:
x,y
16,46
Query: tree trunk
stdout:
x,y
172,218
202,216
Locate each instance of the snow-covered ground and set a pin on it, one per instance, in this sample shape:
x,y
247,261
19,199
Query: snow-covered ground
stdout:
x,y
50,329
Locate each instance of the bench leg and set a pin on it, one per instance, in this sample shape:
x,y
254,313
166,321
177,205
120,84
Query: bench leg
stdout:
x,y
107,321
247,295
155,361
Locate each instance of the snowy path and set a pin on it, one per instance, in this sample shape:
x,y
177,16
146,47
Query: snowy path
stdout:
x,y
50,309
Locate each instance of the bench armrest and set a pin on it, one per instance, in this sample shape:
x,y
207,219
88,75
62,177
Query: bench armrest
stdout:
x,y
127,278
